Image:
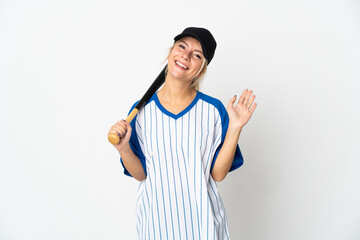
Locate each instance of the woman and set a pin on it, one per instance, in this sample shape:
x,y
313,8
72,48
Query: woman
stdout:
x,y
180,143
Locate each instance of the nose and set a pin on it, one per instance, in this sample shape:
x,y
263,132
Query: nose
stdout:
x,y
186,55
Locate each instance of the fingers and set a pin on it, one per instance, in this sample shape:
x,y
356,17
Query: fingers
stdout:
x,y
242,97
251,101
248,99
253,108
247,96
232,101
120,128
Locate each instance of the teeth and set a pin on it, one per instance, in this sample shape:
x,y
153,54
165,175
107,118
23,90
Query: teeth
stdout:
x,y
180,65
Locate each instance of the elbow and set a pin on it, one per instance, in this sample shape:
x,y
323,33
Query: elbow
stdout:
x,y
140,178
139,175
218,177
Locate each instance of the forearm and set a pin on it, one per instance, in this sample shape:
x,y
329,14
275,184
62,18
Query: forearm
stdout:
x,y
226,155
132,163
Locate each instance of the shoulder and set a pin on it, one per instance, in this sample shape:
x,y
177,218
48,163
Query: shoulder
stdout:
x,y
214,102
147,103
133,106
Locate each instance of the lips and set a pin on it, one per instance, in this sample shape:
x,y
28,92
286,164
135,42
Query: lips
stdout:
x,y
181,65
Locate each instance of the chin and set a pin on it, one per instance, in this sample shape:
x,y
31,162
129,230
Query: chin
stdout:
x,y
174,73
179,76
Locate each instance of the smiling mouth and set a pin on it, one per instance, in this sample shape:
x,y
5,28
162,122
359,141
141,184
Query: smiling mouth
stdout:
x,y
181,65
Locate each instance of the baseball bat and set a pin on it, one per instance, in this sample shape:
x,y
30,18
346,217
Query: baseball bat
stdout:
x,y
115,138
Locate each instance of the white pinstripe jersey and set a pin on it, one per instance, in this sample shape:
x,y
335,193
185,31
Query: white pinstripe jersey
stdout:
x,y
179,198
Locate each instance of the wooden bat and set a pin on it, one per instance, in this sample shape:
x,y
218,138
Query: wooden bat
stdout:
x,y
115,138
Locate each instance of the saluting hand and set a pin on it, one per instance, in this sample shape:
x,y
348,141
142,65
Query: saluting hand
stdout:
x,y
241,113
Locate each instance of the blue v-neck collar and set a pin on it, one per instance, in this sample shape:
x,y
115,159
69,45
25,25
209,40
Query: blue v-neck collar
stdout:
x,y
180,114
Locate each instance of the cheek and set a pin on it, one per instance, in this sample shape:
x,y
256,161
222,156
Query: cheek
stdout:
x,y
197,66
174,52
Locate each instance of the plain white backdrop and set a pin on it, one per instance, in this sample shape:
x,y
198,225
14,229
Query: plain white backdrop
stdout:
x,y
71,69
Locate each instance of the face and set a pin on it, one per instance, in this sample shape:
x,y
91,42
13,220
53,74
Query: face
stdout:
x,y
185,59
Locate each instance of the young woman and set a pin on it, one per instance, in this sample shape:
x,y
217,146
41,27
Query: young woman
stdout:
x,y
180,143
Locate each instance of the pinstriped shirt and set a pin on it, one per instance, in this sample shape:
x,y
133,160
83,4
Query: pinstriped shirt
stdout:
x,y
179,198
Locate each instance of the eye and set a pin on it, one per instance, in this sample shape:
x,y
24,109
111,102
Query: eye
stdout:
x,y
198,56
181,46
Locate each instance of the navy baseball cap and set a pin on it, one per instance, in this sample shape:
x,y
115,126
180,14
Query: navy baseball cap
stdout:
x,y
205,38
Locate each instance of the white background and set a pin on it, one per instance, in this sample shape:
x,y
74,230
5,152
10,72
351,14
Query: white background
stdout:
x,y
70,69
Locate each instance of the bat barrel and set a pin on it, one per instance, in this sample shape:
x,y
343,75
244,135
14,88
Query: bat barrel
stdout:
x,y
160,79
114,138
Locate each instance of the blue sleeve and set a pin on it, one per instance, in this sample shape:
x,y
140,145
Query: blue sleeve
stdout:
x,y
238,158
134,145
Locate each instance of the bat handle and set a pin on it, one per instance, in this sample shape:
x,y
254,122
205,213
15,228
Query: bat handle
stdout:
x,y
114,138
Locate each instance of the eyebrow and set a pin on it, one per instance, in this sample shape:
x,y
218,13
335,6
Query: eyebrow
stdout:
x,y
188,45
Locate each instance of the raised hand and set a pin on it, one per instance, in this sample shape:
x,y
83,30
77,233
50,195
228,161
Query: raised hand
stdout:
x,y
241,113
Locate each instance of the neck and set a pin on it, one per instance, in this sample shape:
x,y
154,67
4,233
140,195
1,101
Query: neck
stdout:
x,y
175,90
